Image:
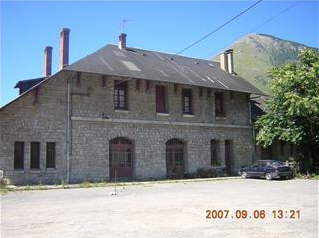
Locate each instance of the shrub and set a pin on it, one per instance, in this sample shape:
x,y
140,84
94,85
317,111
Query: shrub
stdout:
x,y
206,173
86,184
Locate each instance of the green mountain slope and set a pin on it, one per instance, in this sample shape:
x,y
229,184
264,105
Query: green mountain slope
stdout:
x,y
256,54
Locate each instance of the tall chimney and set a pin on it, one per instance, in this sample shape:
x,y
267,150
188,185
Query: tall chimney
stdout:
x,y
64,47
230,61
47,61
224,61
122,41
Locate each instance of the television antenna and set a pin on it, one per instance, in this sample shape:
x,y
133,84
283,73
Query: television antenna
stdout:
x,y
124,22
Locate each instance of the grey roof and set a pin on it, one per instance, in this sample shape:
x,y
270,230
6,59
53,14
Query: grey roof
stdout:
x,y
152,65
25,85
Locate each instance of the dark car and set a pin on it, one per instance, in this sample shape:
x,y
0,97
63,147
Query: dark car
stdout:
x,y
268,169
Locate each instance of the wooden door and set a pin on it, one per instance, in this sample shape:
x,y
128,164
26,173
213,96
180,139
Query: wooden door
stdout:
x,y
121,158
175,158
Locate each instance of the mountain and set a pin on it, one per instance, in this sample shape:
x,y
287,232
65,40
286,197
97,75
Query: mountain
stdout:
x,y
256,54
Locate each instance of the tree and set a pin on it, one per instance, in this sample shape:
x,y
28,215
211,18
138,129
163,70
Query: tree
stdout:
x,y
292,112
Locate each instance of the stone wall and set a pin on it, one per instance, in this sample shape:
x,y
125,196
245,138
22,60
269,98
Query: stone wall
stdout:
x,y
39,118
45,120
90,150
141,103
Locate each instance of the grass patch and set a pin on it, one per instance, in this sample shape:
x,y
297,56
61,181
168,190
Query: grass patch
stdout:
x,y
3,189
313,176
87,184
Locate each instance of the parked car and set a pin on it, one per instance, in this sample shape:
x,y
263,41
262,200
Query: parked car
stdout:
x,y
268,169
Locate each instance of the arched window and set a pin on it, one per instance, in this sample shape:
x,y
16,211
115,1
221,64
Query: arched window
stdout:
x,y
121,158
175,159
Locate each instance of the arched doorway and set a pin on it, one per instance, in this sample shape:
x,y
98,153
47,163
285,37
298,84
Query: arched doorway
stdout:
x,y
121,158
175,159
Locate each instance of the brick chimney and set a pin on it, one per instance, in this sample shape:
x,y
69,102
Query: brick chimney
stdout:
x,y
226,61
230,61
223,61
64,47
122,41
47,61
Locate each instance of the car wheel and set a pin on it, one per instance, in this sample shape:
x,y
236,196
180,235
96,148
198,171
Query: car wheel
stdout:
x,y
268,176
244,175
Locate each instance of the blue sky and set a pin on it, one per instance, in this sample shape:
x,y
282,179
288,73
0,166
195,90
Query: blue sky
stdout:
x,y
27,27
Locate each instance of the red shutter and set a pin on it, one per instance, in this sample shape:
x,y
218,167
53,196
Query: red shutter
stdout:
x,y
219,104
160,99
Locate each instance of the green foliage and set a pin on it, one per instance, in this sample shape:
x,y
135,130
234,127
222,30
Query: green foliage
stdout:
x,y
86,184
256,54
293,110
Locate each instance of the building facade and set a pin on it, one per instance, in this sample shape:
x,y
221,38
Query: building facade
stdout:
x,y
278,150
110,116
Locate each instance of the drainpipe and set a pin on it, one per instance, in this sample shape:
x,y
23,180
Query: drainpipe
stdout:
x,y
68,130
253,130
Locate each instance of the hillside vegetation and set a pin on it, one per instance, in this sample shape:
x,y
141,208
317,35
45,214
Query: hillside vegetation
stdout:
x,y
256,54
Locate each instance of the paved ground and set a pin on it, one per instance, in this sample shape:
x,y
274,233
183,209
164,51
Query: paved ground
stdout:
x,y
163,210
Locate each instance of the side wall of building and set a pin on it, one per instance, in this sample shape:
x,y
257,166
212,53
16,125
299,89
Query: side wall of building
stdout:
x,y
39,116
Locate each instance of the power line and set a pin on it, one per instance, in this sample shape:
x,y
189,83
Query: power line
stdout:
x,y
275,16
263,23
218,28
201,39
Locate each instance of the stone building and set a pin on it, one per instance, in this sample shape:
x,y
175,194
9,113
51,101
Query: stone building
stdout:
x,y
278,150
126,113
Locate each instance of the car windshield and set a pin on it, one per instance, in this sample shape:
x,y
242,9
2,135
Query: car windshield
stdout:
x,y
268,163
278,163
263,162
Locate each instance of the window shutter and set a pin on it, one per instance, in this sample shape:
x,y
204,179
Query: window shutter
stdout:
x,y
219,104
50,155
160,99
18,155
35,155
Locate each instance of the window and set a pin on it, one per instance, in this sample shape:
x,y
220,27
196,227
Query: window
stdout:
x,y
161,106
282,147
138,84
50,161
187,101
200,92
18,155
219,105
120,95
291,149
214,153
209,92
35,155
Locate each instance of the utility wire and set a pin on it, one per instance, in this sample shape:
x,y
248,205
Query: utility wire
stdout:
x,y
218,28
262,24
275,16
202,38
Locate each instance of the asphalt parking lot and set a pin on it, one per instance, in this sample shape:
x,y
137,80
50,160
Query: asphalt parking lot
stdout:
x,y
164,210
